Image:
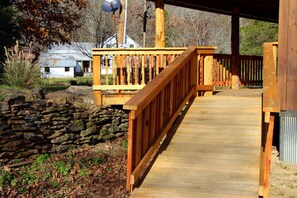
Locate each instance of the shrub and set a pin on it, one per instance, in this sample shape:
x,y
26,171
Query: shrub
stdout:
x,y
20,69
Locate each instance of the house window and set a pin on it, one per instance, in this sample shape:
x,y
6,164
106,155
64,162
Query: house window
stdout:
x,y
47,69
108,46
131,45
67,69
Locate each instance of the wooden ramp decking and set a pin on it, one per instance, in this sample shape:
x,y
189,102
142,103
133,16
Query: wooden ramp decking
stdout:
x,y
214,152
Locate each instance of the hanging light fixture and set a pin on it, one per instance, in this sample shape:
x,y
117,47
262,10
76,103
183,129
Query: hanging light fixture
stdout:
x,y
111,5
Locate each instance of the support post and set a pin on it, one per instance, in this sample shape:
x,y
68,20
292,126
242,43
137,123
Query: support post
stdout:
x,y
287,78
287,69
160,24
265,155
121,25
208,70
120,62
235,49
97,79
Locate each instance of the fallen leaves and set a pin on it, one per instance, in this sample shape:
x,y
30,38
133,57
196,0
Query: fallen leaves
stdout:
x,y
83,172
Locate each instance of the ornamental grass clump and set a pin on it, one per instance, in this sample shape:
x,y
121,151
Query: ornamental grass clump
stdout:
x,y
20,68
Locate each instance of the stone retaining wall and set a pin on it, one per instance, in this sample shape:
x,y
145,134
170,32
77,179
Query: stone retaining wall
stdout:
x,y
41,126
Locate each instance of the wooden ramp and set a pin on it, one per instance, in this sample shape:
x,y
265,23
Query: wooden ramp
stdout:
x,y
213,153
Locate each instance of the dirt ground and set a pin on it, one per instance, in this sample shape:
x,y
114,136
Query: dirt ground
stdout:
x,y
92,171
283,178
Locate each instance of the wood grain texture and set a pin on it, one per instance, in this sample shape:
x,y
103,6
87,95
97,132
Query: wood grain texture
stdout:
x,y
213,153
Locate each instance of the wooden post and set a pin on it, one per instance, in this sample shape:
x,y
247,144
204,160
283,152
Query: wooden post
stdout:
x,y
235,49
270,85
130,151
265,154
287,69
97,79
195,74
120,31
270,105
120,42
160,24
208,70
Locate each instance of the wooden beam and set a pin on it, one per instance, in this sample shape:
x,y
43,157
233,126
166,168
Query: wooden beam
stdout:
x,y
117,87
97,79
204,87
283,51
287,68
149,51
120,31
270,85
291,79
160,24
235,48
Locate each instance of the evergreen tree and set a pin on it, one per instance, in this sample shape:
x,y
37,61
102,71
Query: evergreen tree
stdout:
x,y
8,27
254,33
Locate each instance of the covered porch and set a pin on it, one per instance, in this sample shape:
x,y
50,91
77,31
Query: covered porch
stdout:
x,y
154,109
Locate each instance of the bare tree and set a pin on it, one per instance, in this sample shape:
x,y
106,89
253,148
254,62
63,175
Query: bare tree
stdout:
x,y
97,25
184,27
193,27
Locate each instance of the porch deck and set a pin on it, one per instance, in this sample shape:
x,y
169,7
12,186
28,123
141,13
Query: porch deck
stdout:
x,y
213,152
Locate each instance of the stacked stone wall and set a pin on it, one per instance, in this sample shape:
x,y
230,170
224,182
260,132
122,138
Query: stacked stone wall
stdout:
x,y
42,126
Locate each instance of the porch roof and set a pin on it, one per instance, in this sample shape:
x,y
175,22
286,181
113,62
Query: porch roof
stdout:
x,y
266,10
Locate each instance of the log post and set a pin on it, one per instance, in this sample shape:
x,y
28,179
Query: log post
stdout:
x,y
235,49
160,24
120,61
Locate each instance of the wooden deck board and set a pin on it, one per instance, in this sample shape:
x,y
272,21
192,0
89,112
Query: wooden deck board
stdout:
x,y
214,152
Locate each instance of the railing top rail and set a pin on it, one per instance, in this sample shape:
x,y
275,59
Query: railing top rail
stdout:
x,y
241,56
145,95
275,43
140,51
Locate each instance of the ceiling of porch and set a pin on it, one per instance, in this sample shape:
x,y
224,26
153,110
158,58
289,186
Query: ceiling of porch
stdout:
x,y
266,10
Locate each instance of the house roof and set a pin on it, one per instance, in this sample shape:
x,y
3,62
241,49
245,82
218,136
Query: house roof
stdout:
x,y
56,60
66,55
112,40
80,50
266,10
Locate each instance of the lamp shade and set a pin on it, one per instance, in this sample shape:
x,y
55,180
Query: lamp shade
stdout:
x,y
111,5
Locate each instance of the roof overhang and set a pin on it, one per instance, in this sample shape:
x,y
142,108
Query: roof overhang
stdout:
x,y
266,10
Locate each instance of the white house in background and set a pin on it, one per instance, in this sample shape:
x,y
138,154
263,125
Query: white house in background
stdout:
x,y
67,60
75,59
111,42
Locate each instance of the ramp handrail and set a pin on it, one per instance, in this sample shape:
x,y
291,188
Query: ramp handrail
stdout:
x,y
155,107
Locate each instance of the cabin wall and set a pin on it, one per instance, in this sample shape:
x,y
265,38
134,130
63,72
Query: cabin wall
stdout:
x,y
287,78
287,67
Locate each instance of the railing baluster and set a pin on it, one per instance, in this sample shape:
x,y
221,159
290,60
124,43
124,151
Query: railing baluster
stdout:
x,y
142,69
114,69
129,68
106,70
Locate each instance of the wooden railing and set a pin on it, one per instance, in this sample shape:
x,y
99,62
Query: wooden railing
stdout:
x,y
250,70
117,69
119,73
222,75
155,107
271,105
